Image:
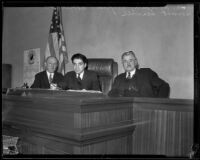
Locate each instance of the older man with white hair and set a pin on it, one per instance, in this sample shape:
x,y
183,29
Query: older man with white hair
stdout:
x,y
49,78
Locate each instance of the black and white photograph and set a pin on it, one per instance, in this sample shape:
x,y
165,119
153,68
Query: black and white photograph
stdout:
x,y
100,80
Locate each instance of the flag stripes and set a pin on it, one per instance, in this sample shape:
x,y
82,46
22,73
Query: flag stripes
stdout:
x,y
56,45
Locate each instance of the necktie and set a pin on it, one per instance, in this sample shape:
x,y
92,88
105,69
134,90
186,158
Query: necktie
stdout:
x,y
79,78
129,75
50,78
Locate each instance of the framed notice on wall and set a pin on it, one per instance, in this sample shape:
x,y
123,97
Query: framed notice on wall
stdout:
x,y
31,65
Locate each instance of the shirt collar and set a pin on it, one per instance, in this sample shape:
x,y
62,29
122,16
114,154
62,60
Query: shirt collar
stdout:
x,y
48,73
81,75
132,73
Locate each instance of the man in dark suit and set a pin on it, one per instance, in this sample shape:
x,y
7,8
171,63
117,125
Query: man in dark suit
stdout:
x,y
80,78
49,78
136,82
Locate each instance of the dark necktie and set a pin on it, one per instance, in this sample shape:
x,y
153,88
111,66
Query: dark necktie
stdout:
x,y
79,78
79,82
50,78
129,75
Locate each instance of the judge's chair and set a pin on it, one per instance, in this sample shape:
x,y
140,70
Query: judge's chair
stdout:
x,y
106,69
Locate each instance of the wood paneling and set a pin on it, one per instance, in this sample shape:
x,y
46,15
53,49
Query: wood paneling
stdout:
x,y
164,126
64,122
61,122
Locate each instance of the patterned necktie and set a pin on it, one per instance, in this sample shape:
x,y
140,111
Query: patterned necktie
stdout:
x,y
50,78
129,75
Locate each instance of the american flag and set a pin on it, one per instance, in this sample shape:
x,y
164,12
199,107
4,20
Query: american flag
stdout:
x,y
56,45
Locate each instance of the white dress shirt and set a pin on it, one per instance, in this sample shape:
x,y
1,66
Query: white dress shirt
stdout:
x,y
81,75
48,75
131,72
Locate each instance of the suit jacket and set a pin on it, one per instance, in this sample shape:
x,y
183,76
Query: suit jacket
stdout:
x,y
145,83
41,80
90,81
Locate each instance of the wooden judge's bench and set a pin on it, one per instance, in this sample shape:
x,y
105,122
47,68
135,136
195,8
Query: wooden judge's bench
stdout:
x,y
72,122
68,122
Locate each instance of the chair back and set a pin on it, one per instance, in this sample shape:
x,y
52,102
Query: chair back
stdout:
x,y
6,77
106,69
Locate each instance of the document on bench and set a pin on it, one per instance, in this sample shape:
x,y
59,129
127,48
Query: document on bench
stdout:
x,y
84,91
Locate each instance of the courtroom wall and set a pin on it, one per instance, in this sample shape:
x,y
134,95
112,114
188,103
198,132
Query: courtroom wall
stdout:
x,y
162,38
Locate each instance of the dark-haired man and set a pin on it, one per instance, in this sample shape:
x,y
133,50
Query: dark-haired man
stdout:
x,y
80,78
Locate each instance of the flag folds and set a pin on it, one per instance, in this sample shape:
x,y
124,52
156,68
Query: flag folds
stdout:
x,y
56,45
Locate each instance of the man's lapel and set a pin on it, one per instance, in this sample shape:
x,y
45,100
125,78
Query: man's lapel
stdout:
x,y
85,76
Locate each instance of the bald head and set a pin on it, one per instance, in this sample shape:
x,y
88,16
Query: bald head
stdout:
x,y
51,64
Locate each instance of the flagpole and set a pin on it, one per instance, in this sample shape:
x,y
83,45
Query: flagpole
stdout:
x,y
60,12
61,22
